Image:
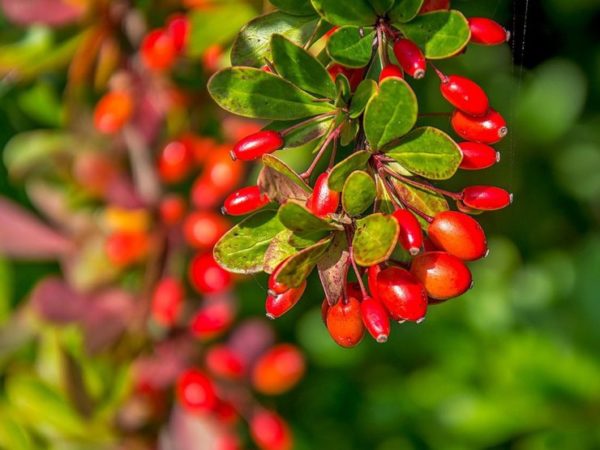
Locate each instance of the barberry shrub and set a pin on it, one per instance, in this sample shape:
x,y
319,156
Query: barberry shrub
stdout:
x,y
337,77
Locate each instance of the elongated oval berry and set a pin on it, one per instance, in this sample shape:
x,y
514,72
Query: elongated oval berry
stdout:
x,y
487,129
223,362
487,32
476,156
202,229
410,57
486,198
274,286
171,209
410,234
465,95
196,392
323,201
434,5
344,322
391,70
113,111
458,234
175,161
278,304
255,145
402,294
443,275
372,273
375,318
167,301
278,370
269,431
244,201
158,50
206,276
212,319
178,27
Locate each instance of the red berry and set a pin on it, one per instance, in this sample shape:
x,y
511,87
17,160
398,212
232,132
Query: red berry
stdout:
x,y
391,70
476,156
113,111
353,290
167,301
257,144
465,95
375,318
205,195
202,229
486,198
331,31
171,209
324,309
178,27
434,5
487,32
402,294
158,50
175,161
323,201
278,370
354,76
227,441
224,362
124,248
221,172
410,57
212,319
196,392
458,234
211,57
206,276
410,234
487,129
270,432
344,322
372,273
244,201
443,275
276,287
278,304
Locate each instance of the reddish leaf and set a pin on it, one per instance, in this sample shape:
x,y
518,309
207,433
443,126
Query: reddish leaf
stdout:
x,y
55,301
251,338
333,268
47,12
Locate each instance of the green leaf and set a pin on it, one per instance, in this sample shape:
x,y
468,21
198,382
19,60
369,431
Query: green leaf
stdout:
x,y
405,10
252,47
391,112
354,12
351,46
301,68
303,239
384,201
277,164
303,134
13,434
374,239
382,6
242,249
440,34
299,266
6,289
424,200
42,104
339,173
296,217
358,193
333,267
349,132
296,7
427,152
365,90
257,94
279,249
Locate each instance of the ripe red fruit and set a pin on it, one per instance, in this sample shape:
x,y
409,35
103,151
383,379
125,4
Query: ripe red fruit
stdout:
x,y
212,319
465,95
175,161
391,70
375,318
344,322
486,198
323,201
158,50
476,156
124,248
113,111
278,370
487,129
167,301
255,145
95,172
178,27
202,229
372,273
487,32
410,57
410,234
278,304
269,431
211,57
206,276
354,76
353,290
244,201
443,275
402,294
171,209
458,234
224,362
434,5
221,172
276,287
195,392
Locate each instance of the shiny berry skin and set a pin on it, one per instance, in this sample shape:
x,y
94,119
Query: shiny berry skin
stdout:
x,y
274,286
487,129
344,322
113,111
254,146
443,275
372,273
477,156
196,392
175,161
124,248
171,209
410,234
375,318
354,76
269,431
167,301
202,229
434,5
402,294
223,362
465,95
323,201
244,201
277,305
158,50
391,70
206,276
487,32
486,198
278,370
410,57
178,27
211,320
458,234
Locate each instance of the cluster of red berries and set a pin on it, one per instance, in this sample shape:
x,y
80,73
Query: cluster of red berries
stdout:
x,y
161,47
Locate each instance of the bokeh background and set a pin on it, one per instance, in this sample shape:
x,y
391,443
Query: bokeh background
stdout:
x,y
513,364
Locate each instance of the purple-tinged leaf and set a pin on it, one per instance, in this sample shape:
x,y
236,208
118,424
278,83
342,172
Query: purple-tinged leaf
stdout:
x,y
333,268
47,12
251,338
55,301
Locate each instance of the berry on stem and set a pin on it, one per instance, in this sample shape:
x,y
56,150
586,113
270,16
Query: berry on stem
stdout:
x,y
344,322
244,201
487,32
113,111
196,392
391,70
211,320
375,318
269,431
224,362
158,50
476,156
277,305
410,234
175,161
465,95
202,229
167,301
410,57
458,234
402,294
208,277
444,275
487,129
323,201
255,145
278,370
486,198
178,27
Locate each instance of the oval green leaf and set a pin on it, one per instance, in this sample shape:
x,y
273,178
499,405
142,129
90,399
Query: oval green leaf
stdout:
x,y
339,173
296,7
365,90
351,46
299,266
382,6
354,12
405,10
374,239
296,217
302,134
424,200
358,193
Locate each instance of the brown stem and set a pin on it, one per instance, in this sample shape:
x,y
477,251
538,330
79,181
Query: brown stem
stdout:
x,y
452,195
333,135
306,122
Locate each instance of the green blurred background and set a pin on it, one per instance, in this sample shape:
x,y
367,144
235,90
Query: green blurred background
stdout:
x,y
515,363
